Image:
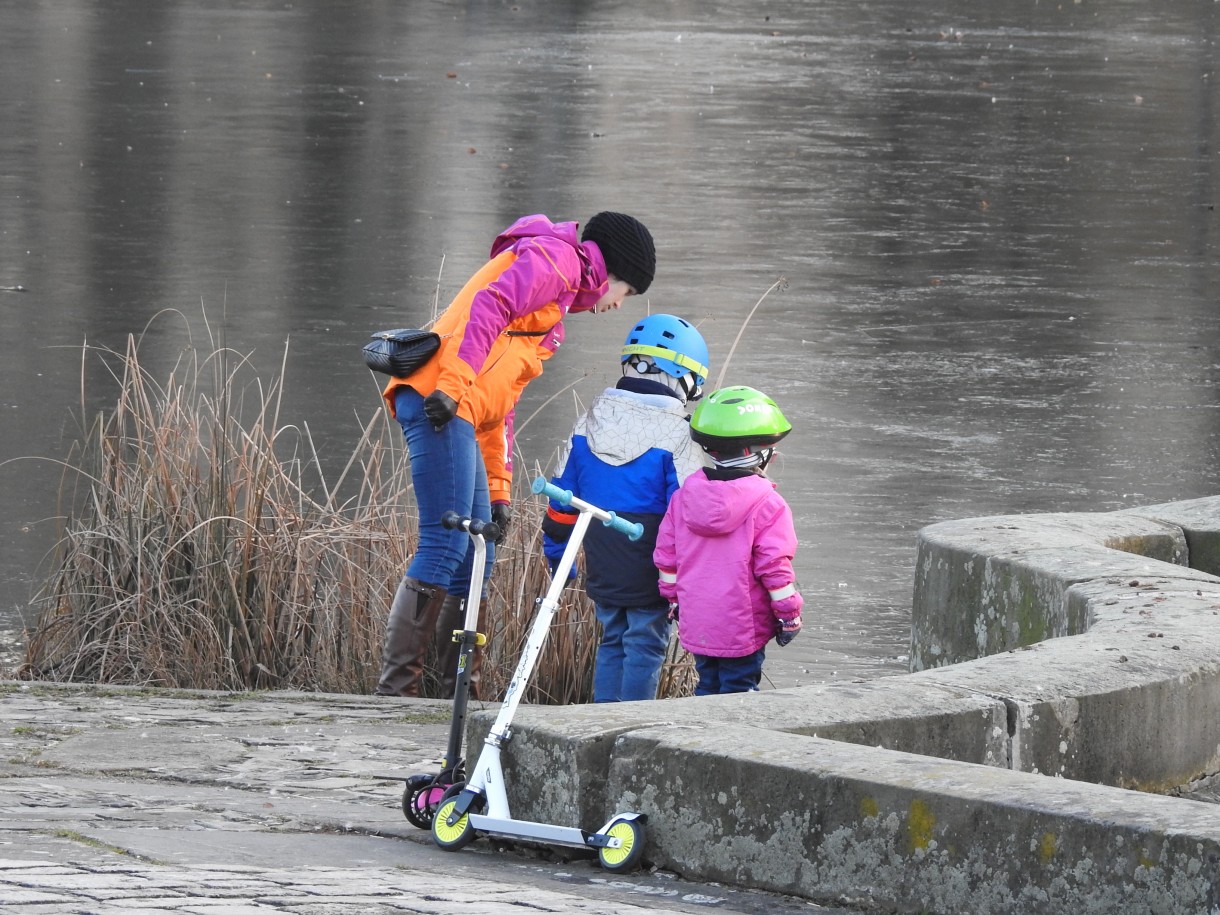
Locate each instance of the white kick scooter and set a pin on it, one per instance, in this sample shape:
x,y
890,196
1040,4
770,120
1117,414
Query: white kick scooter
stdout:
x,y
481,805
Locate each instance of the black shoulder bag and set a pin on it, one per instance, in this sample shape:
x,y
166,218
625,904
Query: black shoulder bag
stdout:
x,y
400,352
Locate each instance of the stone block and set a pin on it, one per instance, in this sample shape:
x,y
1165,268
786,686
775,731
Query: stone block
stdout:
x,y
1130,704
1199,520
838,823
987,585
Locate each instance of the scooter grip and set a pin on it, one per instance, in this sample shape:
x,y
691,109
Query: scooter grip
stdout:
x,y
542,486
453,521
489,530
633,529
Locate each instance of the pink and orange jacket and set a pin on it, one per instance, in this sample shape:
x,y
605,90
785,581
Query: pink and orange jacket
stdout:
x,y
724,552
503,324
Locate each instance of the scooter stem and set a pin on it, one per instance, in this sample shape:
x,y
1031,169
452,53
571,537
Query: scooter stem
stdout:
x,y
542,625
461,692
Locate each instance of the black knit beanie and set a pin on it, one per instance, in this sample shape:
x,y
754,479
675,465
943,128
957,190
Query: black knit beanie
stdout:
x,y
626,246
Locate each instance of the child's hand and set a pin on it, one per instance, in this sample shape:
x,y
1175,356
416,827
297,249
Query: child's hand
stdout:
x,y
673,612
786,630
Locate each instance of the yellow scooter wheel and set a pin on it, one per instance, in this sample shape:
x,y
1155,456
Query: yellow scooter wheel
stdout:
x,y
460,833
630,836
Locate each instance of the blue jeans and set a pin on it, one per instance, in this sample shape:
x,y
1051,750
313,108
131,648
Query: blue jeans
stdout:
x,y
632,650
448,473
728,675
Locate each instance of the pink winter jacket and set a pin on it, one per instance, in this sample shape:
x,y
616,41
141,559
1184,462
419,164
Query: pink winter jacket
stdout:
x,y
502,325
724,552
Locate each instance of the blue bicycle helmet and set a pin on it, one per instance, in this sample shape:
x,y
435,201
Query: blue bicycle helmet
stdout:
x,y
671,343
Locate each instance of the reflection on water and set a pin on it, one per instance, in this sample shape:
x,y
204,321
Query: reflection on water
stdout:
x,y
997,228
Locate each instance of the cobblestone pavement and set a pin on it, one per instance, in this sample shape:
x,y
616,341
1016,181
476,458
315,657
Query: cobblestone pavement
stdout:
x,y
119,800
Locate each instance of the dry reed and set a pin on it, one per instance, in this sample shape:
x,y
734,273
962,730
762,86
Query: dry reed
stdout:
x,y
196,552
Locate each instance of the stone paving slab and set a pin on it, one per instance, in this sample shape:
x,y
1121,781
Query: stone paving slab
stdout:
x,y
118,800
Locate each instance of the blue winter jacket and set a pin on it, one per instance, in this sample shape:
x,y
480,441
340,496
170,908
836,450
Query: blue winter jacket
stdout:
x,y
628,454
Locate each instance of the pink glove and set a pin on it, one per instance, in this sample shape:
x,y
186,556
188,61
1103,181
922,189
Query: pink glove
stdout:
x,y
786,630
792,605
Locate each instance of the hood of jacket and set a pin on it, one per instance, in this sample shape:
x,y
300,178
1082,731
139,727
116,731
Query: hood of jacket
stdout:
x,y
723,504
538,226
594,280
622,425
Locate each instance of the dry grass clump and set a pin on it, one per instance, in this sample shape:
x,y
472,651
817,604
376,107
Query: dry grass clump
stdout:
x,y
196,554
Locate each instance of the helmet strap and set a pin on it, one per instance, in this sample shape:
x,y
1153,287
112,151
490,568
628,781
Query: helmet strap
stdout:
x,y
642,365
747,461
750,460
686,387
691,389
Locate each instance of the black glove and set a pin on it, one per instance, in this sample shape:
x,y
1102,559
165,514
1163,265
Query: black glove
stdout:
x,y
439,407
501,516
558,524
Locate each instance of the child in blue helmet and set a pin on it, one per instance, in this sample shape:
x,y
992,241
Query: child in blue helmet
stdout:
x,y
628,453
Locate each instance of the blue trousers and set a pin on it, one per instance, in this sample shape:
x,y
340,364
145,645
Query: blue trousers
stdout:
x,y
728,675
632,650
448,473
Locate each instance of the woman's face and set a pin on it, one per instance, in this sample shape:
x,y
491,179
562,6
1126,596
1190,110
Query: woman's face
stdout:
x,y
614,296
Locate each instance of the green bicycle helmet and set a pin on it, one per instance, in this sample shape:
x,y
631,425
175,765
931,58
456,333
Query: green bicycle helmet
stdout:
x,y
738,426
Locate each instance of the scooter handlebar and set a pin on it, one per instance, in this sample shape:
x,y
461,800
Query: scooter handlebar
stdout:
x,y
541,486
488,530
633,529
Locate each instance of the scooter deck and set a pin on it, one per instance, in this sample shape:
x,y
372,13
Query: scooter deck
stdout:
x,y
542,832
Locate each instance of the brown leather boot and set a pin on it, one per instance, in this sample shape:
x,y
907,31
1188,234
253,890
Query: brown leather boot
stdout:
x,y
453,616
407,635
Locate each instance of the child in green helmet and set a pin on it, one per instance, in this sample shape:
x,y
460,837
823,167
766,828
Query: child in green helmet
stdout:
x,y
725,546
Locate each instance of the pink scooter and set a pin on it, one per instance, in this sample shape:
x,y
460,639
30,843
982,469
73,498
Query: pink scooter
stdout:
x,y
423,793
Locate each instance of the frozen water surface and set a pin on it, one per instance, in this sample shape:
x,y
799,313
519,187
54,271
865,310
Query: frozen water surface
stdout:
x,y
997,227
